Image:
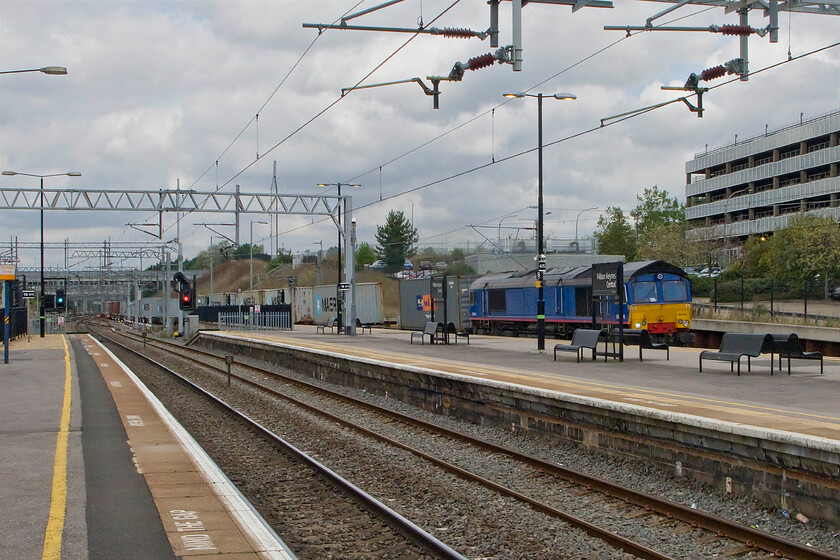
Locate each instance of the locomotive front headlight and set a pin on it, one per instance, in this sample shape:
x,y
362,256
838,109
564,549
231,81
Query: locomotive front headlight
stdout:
x,y
680,321
638,325
686,324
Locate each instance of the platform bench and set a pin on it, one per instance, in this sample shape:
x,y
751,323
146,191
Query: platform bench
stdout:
x,y
450,329
641,338
582,338
362,326
322,328
430,330
790,347
735,346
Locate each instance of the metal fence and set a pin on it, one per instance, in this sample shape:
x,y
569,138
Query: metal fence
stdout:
x,y
769,298
17,321
55,324
267,321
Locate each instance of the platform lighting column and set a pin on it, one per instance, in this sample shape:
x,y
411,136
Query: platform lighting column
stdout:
x,y
540,254
577,246
338,280
42,311
251,260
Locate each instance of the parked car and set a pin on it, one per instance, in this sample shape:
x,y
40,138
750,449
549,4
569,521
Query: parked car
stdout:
x,y
425,265
710,272
835,294
378,264
440,265
408,265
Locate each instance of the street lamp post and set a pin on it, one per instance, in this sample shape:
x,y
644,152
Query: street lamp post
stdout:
x,y
338,280
251,260
500,227
42,312
540,254
53,70
577,247
319,274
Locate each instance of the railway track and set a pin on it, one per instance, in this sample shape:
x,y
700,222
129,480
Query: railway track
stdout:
x,y
560,490
323,514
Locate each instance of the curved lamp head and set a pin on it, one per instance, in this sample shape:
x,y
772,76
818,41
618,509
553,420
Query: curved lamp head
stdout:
x,y
54,70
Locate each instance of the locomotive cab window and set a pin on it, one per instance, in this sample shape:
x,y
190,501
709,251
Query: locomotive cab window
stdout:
x,y
497,301
644,292
674,290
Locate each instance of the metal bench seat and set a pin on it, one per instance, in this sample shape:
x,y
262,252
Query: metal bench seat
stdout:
x,y
431,330
581,339
734,346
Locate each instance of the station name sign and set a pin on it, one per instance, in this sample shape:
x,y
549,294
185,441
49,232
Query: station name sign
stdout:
x,y
605,278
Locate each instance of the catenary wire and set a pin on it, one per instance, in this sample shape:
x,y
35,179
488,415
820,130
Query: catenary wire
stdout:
x,y
469,121
270,97
567,138
503,103
328,107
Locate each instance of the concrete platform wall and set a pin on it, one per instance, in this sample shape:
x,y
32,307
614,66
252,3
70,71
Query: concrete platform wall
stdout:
x,y
781,469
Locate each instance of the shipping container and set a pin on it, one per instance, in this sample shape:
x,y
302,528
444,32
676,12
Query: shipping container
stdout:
x,y
302,305
368,303
151,309
112,308
417,297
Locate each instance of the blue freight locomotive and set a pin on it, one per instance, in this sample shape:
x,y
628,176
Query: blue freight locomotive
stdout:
x,y
657,298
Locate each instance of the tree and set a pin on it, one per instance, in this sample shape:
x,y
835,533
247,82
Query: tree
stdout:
x,y
218,253
654,211
807,248
396,239
283,256
615,235
667,242
365,254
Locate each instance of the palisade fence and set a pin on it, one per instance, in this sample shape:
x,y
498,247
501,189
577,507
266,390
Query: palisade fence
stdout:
x,y
53,324
265,321
768,298
17,322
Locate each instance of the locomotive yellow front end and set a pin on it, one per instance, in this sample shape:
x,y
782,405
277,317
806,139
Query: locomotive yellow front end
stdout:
x,y
661,318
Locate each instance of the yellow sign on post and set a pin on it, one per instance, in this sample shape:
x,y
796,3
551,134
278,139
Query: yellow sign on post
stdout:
x,y
7,271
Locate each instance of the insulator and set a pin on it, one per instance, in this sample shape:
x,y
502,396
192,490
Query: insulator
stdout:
x,y
458,33
481,61
712,73
736,30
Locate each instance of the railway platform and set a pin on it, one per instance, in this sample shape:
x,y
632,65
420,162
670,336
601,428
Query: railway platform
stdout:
x,y
92,467
803,402
773,437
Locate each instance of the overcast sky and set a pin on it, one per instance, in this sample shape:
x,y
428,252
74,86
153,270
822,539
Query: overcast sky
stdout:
x,y
158,91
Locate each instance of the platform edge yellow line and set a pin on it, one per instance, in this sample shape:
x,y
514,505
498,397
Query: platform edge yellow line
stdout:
x,y
58,503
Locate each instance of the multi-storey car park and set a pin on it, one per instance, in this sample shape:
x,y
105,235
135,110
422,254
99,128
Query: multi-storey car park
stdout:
x,y
754,186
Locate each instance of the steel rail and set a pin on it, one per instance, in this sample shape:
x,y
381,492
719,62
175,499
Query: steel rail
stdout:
x,y
394,519
724,528
617,541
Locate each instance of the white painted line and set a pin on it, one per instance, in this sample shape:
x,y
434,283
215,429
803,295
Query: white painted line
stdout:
x,y
771,434
256,529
